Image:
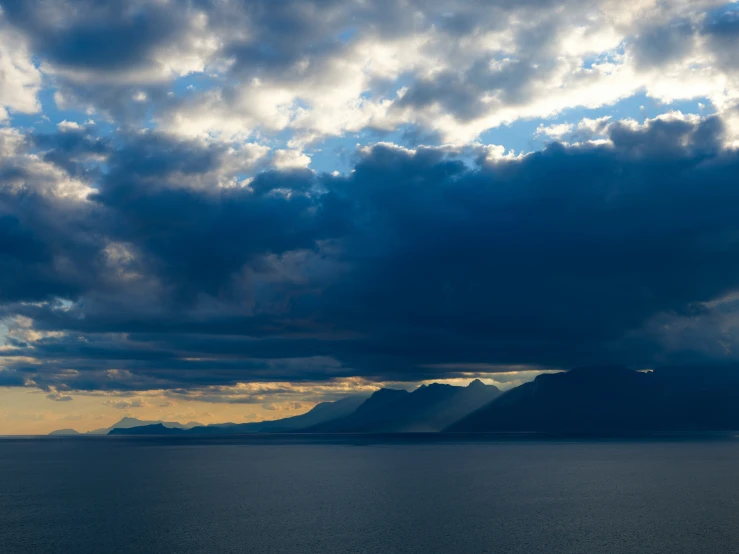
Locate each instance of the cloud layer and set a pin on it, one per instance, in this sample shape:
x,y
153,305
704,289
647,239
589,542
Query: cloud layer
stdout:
x,y
197,194
159,277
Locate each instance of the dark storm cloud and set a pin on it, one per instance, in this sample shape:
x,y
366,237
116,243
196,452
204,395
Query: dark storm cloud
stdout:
x,y
95,35
461,94
48,247
451,92
196,239
722,34
103,53
283,32
77,151
544,260
158,198
11,379
662,45
667,43
413,259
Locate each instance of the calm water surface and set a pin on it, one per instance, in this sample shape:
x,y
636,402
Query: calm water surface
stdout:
x,y
374,495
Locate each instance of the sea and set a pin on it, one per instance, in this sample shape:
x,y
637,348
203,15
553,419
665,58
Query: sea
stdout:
x,y
369,494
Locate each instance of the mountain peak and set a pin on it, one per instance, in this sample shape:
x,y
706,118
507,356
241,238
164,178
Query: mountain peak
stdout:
x,y
126,420
388,393
64,432
476,384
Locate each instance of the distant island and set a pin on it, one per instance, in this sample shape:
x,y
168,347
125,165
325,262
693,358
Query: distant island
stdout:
x,y
586,400
127,423
149,429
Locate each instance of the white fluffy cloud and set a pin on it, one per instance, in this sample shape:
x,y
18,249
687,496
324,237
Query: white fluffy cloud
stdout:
x,y
305,72
459,79
20,80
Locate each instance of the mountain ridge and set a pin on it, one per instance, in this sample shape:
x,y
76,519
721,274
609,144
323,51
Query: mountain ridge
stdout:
x,y
614,399
126,422
429,408
590,400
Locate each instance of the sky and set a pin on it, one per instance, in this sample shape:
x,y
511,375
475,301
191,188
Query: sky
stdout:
x,y
229,210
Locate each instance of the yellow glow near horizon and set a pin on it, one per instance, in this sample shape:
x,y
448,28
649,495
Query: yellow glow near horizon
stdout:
x,y
29,411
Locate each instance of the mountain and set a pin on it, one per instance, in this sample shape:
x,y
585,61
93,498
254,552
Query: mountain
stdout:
x,y
367,415
614,399
128,423
428,409
324,411
154,429
585,400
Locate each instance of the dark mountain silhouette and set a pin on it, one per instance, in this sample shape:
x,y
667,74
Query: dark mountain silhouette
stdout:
x,y
155,429
585,400
324,411
366,415
611,399
128,423
429,408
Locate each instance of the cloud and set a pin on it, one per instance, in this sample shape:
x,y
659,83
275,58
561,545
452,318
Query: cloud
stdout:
x,y
322,69
68,126
285,159
21,81
662,45
58,396
126,404
289,407
183,242
586,130
413,261
277,393
130,40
